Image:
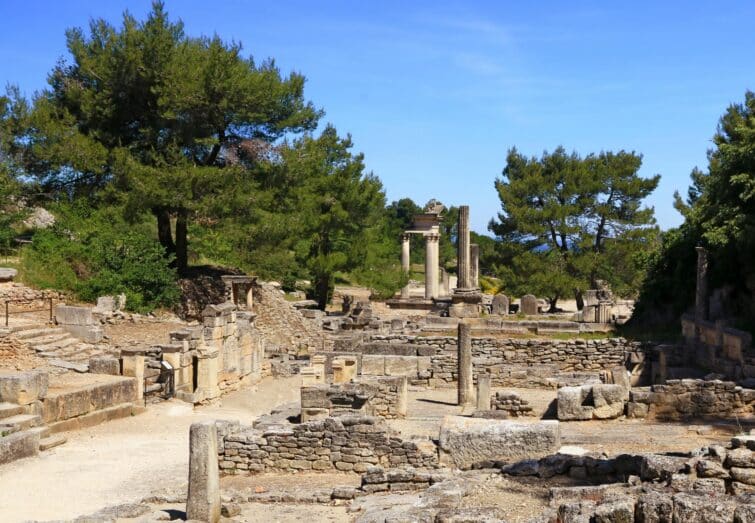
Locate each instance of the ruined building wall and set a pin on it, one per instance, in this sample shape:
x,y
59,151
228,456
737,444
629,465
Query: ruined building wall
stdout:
x,y
431,360
349,443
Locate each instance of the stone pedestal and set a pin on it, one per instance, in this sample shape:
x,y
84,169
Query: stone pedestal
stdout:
x,y
431,265
500,305
528,305
133,365
203,500
464,360
483,391
405,262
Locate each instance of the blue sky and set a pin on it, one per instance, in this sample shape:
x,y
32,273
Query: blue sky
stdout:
x,y
435,93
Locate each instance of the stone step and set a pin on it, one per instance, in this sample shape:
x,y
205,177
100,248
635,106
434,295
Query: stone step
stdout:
x,y
26,327
21,421
46,338
56,346
51,441
34,331
42,430
9,409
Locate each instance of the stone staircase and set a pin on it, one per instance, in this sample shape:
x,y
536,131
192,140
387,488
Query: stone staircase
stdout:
x,y
23,435
55,343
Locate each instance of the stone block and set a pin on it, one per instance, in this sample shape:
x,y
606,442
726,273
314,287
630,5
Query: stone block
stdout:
x,y
529,305
571,403
23,388
19,445
72,315
104,365
500,305
7,274
86,333
401,366
467,441
373,365
703,509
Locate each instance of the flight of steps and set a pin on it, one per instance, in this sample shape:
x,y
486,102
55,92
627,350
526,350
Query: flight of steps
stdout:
x,y
13,420
55,343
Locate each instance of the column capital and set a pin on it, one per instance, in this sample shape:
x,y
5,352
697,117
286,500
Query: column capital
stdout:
x,y
432,237
405,236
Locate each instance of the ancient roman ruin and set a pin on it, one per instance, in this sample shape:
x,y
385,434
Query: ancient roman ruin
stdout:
x,y
440,404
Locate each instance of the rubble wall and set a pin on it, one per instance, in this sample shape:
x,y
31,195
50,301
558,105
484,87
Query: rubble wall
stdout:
x,y
348,444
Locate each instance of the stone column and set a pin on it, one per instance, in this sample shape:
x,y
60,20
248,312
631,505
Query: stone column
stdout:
x,y
483,391
701,294
431,265
464,360
474,265
203,501
445,286
207,374
405,262
462,255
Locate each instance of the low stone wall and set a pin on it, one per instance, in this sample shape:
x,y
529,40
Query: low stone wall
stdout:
x,y
683,399
511,403
431,360
348,444
65,405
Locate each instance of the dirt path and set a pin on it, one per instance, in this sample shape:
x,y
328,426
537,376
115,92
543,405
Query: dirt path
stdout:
x,y
124,460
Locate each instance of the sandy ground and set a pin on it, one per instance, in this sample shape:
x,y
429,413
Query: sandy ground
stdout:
x,y
124,460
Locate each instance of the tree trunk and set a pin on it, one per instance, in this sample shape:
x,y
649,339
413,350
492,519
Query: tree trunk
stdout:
x,y
552,302
182,255
164,233
322,290
578,298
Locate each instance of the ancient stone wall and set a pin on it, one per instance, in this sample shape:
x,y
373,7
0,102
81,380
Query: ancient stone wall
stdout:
x,y
681,399
349,443
511,362
511,403
384,396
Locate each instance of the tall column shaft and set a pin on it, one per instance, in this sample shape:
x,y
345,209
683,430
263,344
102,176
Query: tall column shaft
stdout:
x,y
701,293
474,265
405,262
464,359
463,248
431,265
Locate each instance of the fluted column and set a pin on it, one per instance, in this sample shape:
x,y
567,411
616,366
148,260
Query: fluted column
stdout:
x,y
463,248
431,265
405,262
474,265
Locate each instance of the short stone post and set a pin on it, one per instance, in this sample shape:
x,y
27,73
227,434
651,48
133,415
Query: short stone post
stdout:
x,y
203,501
405,262
483,391
464,357
133,366
207,374
701,292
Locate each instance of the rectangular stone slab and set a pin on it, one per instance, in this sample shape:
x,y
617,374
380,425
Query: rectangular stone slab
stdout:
x,y
467,441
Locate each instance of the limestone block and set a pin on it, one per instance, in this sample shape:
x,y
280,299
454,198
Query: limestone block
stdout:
x,y
529,305
571,403
72,315
23,388
466,441
654,507
105,304
311,413
104,365
203,500
400,366
310,376
692,508
373,365
7,274
483,391
608,400
19,445
500,304
133,366
344,369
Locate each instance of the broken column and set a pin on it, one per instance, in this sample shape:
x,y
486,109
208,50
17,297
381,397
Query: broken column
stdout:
x,y
463,249
203,501
207,374
405,263
431,265
474,265
464,359
483,391
701,292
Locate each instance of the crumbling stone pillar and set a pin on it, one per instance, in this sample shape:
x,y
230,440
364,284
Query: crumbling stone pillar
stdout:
x,y
133,365
405,262
483,391
474,265
701,292
463,260
431,265
464,358
203,501
207,374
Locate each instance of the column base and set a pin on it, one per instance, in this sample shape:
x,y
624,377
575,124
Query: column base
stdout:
x,y
465,303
